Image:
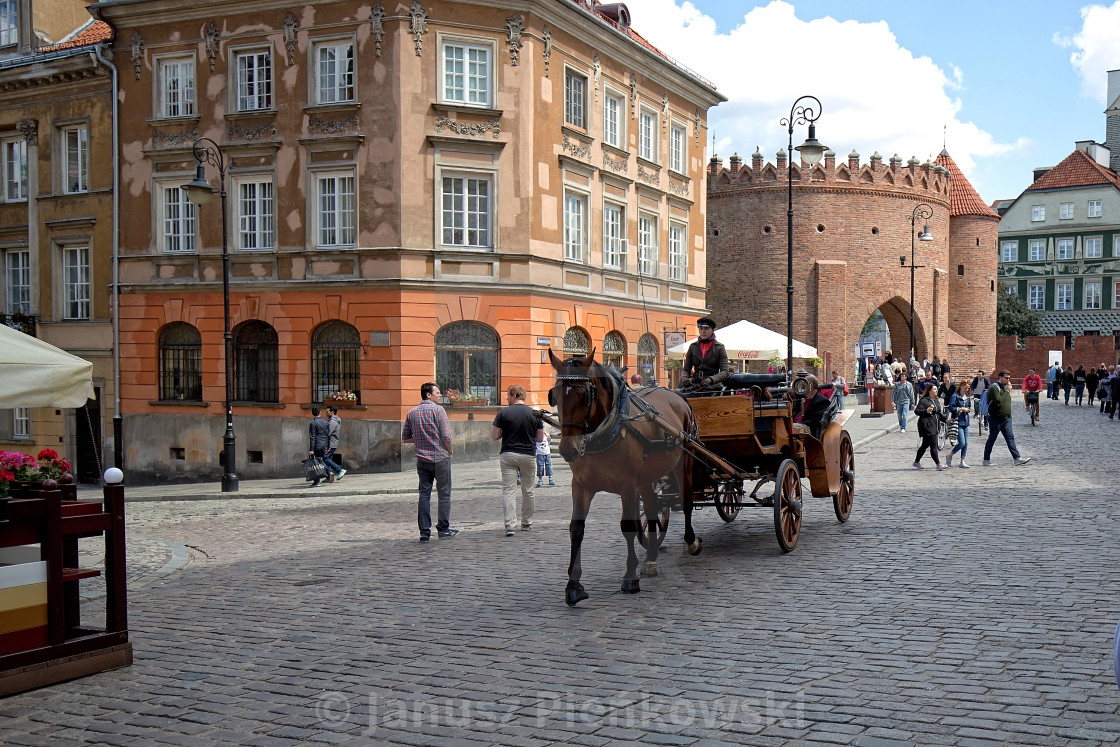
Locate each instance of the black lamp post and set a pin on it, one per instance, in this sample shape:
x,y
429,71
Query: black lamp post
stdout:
x,y
200,192
925,212
811,151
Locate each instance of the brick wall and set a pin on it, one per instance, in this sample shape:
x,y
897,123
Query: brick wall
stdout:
x,y
1088,350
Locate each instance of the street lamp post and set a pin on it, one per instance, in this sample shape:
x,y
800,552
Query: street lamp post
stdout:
x,y
924,212
811,151
200,192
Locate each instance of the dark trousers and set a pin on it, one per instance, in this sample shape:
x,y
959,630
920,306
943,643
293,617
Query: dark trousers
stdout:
x,y
440,474
997,426
928,442
1078,392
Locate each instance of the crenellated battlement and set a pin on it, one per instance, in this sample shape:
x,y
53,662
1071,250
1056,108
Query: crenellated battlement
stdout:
x,y
922,179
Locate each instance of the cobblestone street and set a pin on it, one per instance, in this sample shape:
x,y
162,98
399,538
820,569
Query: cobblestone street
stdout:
x,y
961,607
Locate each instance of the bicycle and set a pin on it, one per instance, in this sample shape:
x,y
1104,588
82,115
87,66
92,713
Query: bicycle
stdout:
x,y
1032,406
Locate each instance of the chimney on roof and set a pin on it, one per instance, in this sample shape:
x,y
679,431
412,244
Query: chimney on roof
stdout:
x,y
736,163
1112,120
1094,150
1040,172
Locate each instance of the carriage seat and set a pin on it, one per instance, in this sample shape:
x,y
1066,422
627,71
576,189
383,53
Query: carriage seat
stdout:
x,y
747,380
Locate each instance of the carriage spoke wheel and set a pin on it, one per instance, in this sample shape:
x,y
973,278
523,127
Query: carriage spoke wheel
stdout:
x,y
666,493
787,505
728,500
842,500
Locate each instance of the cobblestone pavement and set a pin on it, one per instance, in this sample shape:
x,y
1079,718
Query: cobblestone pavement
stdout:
x,y
959,607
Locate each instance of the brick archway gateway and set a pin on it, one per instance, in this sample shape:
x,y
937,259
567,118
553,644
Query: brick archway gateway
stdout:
x,y
896,312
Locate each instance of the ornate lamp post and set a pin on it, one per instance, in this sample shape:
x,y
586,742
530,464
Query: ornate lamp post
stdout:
x,y
811,151
200,192
924,212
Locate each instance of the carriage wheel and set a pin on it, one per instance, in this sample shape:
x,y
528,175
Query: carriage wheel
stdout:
x,y
666,493
787,505
842,500
728,500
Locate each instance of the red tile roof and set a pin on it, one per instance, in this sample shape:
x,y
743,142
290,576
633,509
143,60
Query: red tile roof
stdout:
x,y
963,199
1078,169
94,33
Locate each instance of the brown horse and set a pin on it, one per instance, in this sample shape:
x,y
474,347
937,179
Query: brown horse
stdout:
x,y
620,449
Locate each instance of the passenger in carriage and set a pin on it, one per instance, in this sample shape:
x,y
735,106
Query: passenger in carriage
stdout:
x,y
705,364
816,405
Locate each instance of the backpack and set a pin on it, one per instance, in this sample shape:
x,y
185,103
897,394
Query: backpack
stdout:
x,y
984,401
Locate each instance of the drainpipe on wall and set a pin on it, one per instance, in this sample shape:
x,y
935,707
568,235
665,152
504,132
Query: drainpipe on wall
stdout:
x,y
118,421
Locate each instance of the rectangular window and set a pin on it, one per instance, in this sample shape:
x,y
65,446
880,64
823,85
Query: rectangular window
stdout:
x,y
254,80
647,245
647,135
180,223
21,422
334,72
1010,251
335,210
1093,247
1116,295
575,97
1092,294
1011,289
678,153
1038,250
1064,300
17,281
176,87
75,157
678,257
14,155
1094,209
466,74
614,232
1065,211
1065,248
1038,212
9,22
1036,297
466,211
575,226
76,282
256,221
613,119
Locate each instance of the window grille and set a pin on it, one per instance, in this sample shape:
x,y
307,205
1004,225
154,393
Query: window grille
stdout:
x,y
180,363
647,358
577,343
256,363
614,350
467,356
336,349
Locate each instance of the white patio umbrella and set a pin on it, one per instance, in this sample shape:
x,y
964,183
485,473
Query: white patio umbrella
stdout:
x,y
34,373
747,341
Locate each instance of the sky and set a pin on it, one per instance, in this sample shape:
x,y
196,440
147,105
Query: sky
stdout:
x,y
1006,86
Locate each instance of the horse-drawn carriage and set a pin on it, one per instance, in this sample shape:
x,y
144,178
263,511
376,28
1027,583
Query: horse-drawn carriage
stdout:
x,y
657,448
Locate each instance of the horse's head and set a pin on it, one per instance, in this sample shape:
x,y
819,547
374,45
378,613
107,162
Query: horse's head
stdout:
x,y
581,397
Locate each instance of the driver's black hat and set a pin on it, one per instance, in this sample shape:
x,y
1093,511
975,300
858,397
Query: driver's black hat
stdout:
x,y
706,321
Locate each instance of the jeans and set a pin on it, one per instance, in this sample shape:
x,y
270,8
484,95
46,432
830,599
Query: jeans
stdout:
x,y
903,410
1000,425
544,466
840,397
440,474
1066,390
332,465
1079,392
512,464
962,442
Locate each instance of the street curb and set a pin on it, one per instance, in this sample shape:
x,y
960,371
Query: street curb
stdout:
x,y
294,494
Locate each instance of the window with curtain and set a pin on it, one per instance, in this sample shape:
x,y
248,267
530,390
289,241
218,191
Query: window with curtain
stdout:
x,y
180,363
467,356
256,362
336,351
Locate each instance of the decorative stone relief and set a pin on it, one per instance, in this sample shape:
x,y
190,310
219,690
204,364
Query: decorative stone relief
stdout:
x,y
597,68
678,189
377,25
696,125
418,23
212,36
161,139
649,177
664,112
29,128
333,126
633,96
291,23
577,151
547,35
618,166
237,132
514,27
137,53
464,129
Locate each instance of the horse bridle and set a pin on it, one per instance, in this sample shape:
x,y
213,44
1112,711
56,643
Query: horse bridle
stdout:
x,y
573,380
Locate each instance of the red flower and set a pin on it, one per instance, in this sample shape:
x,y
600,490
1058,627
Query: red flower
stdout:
x,y
6,476
48,454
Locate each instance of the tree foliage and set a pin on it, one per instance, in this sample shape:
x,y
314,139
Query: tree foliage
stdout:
x,y
1014,318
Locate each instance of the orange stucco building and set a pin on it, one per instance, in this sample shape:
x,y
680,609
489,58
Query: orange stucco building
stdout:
x,y
414,193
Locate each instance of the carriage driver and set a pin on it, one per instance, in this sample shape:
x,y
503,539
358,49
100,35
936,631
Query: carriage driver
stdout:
x,y
705,364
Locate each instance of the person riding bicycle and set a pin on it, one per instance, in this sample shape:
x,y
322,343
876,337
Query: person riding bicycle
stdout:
x,y
705,364
1032,384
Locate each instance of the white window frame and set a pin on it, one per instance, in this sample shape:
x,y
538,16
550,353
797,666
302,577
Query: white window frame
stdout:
x,y
74,146
337,85
1010,252
254,210
1037,248
465,199
678,251
17,281
1091,300
1116,294
648,125
464,87
575,98
13,154
575,225
1063,296
1036,301
21,423
77,281
1094,209
177,219
252,91
1064,249
334,225
9,23
648,244
176,97
1038,213
1011,289
1065,211
678,148
614,235
614,118
1094,247
1116,248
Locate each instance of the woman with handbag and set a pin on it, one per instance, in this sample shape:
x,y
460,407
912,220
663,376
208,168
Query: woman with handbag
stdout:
x,y
930,414
960,405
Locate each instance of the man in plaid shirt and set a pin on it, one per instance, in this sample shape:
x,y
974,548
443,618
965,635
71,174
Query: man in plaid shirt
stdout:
x,y
428,427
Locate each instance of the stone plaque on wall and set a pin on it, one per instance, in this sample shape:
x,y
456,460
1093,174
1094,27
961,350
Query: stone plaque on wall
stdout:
x,y
378,339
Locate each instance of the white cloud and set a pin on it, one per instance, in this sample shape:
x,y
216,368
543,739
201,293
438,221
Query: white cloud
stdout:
x,y
1096,48
875,94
